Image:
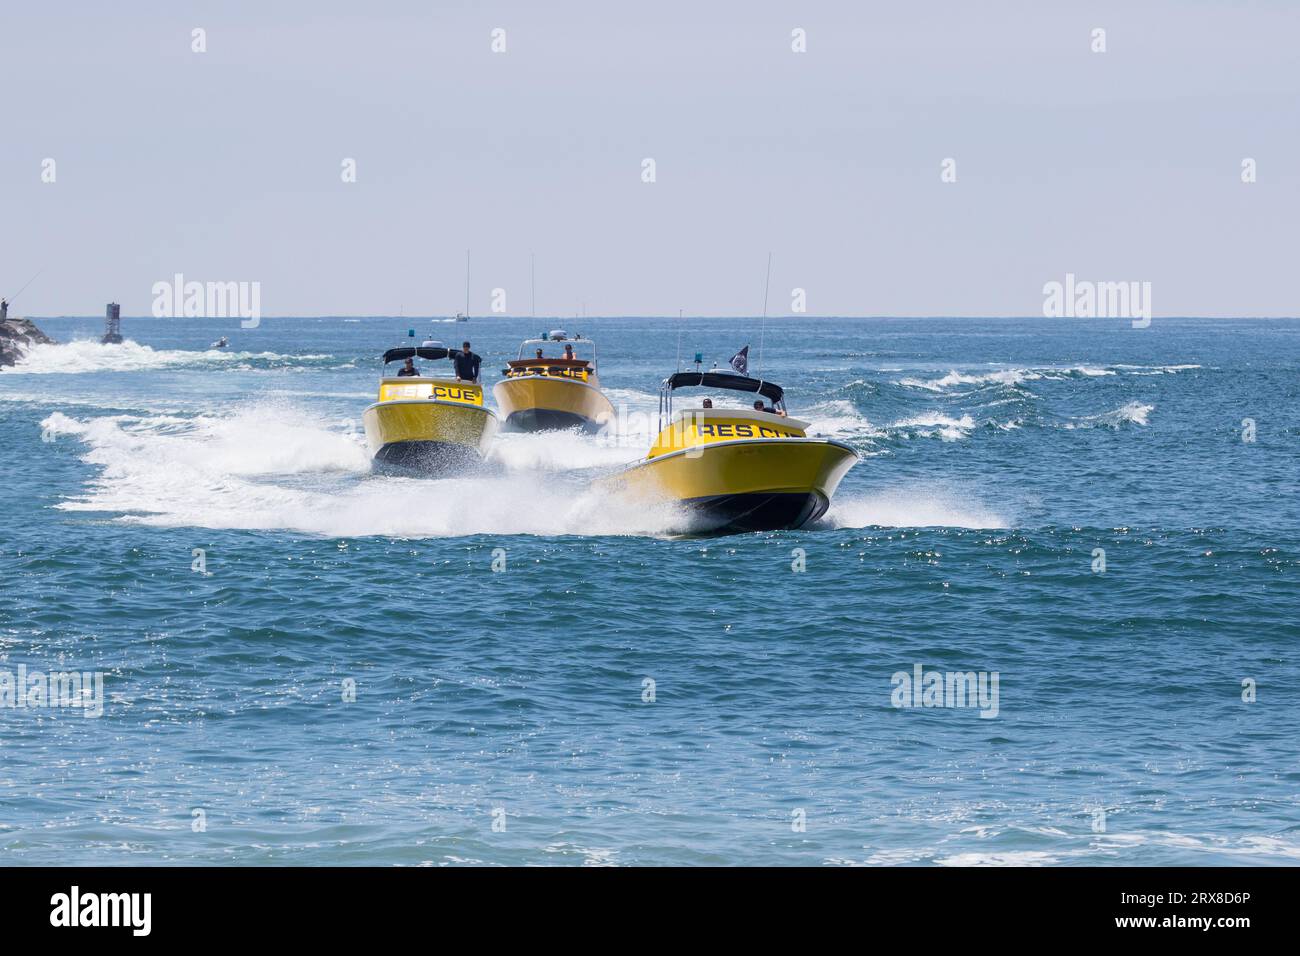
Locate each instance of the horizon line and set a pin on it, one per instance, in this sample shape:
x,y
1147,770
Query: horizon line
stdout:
x,y
645,315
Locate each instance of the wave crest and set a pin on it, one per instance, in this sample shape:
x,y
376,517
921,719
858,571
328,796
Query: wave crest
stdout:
x,y
87,355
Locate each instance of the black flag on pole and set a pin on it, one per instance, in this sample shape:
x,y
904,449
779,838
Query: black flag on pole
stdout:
x,y
740,361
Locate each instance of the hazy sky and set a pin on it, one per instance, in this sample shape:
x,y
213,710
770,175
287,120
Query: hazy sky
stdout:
x,y
225,165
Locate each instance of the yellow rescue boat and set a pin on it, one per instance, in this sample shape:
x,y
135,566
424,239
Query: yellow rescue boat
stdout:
x,y
737,469
431,425
552,392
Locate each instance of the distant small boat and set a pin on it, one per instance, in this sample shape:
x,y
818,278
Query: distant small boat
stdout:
x,y
220,343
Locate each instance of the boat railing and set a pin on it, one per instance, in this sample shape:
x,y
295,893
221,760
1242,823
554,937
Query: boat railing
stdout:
x,y
666,398
551,368
574,341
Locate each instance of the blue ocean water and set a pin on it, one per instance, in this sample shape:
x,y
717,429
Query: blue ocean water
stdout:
x,y
1145,713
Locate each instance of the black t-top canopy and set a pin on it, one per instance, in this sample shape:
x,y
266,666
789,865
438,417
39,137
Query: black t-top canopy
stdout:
x,y
737,383
408,351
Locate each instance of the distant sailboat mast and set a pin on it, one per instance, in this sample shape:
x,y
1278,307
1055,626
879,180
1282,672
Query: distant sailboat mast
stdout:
x,y
762,324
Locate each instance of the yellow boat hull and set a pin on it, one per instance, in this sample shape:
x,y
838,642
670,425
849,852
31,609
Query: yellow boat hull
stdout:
x,y
428,436
537,403
745,485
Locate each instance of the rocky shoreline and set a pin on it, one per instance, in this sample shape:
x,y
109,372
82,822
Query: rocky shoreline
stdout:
x,y
15,337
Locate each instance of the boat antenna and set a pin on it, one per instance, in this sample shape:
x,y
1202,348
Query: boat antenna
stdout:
x,y
467,283
10,298
762,324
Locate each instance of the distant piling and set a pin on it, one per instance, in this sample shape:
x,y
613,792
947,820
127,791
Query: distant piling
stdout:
x,y
112,324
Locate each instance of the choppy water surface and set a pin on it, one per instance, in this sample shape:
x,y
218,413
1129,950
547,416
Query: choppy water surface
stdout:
x,y
999,456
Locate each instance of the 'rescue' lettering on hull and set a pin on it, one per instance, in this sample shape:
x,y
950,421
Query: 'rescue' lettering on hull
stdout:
x,y
743,430
705,426
577,374
438,391
457,393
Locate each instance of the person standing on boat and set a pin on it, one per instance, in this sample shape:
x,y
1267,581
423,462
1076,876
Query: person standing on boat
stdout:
x,y
4,309
467,364
408,370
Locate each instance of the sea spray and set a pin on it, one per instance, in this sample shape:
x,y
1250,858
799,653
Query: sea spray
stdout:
x,y
84,356
276,466
913,506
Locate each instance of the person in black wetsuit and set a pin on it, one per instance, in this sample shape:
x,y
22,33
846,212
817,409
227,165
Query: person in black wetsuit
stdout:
x,y
467,364
408,370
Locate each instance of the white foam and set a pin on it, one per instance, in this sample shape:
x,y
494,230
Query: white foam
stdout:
x,y
929,424
1156,369
1012,376
272,466
268,438
836,419
1108,847
87,355
566,451
912,507
1003,858
1133,413
628,401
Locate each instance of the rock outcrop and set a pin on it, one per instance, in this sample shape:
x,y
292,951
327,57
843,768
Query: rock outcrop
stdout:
x,y
15,336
